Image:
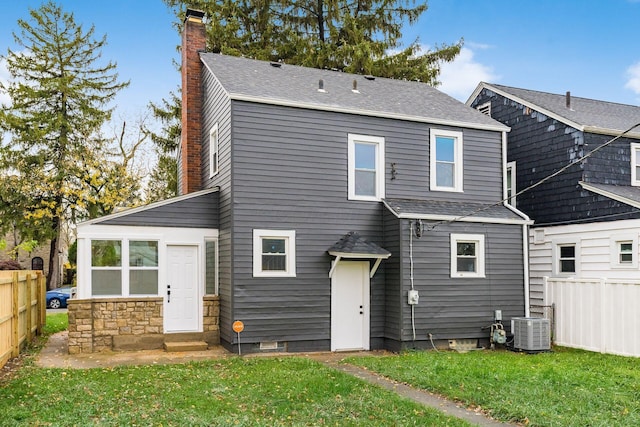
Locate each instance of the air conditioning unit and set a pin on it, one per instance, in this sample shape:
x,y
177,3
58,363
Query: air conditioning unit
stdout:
x,y
531,334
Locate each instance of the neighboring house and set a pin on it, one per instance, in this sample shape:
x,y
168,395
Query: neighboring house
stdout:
x,y
313,203
587,218
37,259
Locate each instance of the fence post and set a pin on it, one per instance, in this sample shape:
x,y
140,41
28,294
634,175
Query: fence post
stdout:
x,y
42,301
29,319
15,332
603,315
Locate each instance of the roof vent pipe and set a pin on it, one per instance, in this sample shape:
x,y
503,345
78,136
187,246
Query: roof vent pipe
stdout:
x,y
354,88
568,98
321,86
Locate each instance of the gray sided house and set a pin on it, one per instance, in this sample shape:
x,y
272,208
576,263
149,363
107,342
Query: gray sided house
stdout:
x,y
351,212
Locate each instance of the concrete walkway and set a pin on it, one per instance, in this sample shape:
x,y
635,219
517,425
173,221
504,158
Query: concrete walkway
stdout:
x,y
55,355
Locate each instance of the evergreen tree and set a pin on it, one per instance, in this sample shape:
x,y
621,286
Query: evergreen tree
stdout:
x,y
361,37
60,92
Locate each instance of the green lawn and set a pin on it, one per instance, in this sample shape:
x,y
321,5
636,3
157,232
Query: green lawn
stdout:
x,y
232,392
563,388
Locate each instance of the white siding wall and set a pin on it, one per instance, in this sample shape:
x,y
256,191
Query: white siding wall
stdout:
x,y
594,249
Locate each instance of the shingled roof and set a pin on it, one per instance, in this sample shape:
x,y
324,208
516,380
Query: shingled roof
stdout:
x,y
440,210
584,114
352,244
289,85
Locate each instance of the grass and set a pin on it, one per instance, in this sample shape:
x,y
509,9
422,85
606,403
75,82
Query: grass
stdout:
x,y
56,322
232,392
563,388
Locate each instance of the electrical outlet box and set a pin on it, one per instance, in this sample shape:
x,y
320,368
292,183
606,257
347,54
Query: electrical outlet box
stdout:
x,y
413,297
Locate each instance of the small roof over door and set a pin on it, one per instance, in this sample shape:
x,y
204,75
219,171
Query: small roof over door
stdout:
x,y
354,246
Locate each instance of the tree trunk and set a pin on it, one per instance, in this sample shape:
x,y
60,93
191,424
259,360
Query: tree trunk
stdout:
x,y
54,274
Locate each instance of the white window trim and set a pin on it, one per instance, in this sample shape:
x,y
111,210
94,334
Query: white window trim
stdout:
x,y
290,251
214,161
614,245
556,257
380,172
124,267
458,167
216,265
511,166
635,150
478,239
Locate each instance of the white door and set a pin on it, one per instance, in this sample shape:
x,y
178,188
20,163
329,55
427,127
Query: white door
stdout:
x,y
181,301
350,306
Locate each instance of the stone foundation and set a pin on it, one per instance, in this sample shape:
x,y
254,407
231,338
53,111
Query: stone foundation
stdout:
x,y
95,324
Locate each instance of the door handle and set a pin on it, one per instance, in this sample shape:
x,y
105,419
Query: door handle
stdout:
x,y
168,293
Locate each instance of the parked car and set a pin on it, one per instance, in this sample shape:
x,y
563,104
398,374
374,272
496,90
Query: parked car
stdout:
x,y
57,298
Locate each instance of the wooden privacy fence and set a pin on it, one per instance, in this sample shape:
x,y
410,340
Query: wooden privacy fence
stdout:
x,y
596,314
22,310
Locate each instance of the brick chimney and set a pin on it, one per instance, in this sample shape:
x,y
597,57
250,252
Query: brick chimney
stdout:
x,y
193,41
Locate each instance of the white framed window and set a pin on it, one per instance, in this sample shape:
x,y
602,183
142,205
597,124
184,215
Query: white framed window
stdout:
x,y
467,255
624,251
511,183
110,276
566,259
635,164
274,253
445,153
211,266
213,151
366,167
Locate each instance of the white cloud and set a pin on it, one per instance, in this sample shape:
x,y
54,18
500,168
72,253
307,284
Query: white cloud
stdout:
x,y
633,78
460,77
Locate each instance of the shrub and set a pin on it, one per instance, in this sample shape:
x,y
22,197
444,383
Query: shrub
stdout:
x,y
10,264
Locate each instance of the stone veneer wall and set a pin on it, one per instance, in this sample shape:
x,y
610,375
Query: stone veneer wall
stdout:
x,y
95,323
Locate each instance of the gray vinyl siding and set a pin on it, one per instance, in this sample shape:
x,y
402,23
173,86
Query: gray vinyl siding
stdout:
x,y
217,109
196,212
290,173
407,145
393,236
454,308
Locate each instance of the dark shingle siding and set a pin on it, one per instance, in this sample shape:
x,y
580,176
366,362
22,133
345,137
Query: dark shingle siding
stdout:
x,y
541,145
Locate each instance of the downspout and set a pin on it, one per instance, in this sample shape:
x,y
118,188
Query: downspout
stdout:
x,y
525,227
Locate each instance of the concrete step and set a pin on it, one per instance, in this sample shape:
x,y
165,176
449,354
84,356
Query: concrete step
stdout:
x,y
185,346
184,336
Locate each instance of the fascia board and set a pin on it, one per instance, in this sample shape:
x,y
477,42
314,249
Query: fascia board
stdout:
x,y
610,195
533,106
161,203
419,119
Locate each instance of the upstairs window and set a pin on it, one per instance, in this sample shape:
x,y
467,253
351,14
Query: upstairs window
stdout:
x,y
467,255
446,161
274,253
213,151
366,167
635,164
511,183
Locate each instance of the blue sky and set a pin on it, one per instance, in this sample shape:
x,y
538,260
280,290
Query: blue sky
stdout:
x,y
588,47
